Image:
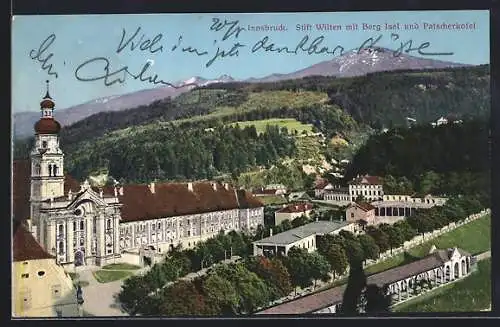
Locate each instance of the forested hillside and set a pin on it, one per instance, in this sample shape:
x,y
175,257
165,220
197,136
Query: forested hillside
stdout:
x,y
452,158
175,153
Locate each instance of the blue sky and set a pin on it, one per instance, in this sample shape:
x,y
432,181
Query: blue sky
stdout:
x,y
80,38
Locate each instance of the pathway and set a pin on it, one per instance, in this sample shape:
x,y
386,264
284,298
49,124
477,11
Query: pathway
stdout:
x,y
100,297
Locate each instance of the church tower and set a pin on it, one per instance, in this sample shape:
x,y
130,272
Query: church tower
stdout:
x,y
47,159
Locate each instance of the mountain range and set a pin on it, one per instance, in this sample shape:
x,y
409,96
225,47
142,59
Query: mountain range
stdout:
x,y
350,64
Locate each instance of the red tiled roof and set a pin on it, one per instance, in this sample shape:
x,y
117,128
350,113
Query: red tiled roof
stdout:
x,y
364,206
21,172
298,207
321,184
175,199
308,304
170,199
25,247
367,180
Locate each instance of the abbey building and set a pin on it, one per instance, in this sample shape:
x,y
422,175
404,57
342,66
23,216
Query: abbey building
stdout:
x,y
84,225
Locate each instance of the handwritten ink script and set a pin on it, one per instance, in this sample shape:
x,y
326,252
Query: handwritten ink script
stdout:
x,y
226,44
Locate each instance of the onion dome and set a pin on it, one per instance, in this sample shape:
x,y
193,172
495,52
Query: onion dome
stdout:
x,y
47,126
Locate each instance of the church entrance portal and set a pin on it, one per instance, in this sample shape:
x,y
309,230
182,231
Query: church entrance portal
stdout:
x,y
79,258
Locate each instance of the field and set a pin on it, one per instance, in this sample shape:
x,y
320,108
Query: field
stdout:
x,y
474,237
291,124
106,276
471,294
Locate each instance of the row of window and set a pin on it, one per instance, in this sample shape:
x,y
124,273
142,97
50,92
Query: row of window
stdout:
x,y
365,186
81,226
158,226
53,170
365,192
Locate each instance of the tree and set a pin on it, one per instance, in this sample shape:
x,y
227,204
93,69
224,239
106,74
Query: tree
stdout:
x,y
221,293
407,231
353,250
380,238
394,234
318,267
376,299
286,225
296,265
252,290
183,299
274,274
356,283
299,221
337,258
134,293
370,248
428,182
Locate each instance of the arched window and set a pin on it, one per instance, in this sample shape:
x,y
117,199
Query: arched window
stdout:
x,y
50,170
44,144
81,225
61,247
61,229
108,223
55,170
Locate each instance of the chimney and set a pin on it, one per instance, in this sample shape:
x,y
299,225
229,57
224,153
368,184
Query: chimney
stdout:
x,y
70,195
101,193
116,191
214,186
190,186
120,190
270,232
152,187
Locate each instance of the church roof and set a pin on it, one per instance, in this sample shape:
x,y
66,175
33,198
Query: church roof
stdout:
x,y
25,247
175,199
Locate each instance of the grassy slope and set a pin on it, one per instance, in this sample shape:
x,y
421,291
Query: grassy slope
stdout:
x,y
290,123
471,294
474,237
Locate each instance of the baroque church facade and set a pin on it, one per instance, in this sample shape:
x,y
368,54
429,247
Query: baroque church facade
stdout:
x,y
84,225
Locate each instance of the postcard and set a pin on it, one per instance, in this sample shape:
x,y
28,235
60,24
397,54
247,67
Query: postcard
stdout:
x,y
302,164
